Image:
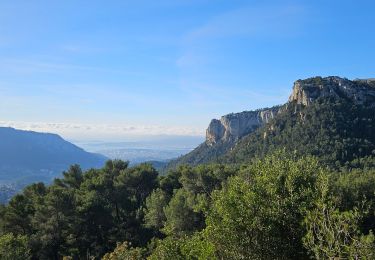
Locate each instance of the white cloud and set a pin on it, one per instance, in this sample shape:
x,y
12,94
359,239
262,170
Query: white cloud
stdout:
x,y
102,131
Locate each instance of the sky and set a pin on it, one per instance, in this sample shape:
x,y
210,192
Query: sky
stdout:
x,y
121,70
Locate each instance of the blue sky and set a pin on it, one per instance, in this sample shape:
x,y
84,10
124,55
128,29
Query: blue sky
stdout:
x,y
120,69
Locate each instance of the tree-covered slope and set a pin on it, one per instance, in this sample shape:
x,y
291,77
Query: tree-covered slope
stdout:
x,y
204,153
334,130
332,118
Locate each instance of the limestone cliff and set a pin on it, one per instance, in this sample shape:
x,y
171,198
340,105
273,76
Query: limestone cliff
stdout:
x,y
236,125
232,127
358,91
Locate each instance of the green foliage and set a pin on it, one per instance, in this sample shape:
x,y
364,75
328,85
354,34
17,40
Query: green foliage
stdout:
x,y
283,206
353,189
335,131
16,218
170,182
185,211
202,154
186,247
14,247
168,248
180,216
124,251
198,247
83,214
203,179
258,215
332,234
154,209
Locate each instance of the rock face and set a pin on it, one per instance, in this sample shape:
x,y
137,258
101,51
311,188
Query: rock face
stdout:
x,y
234,126
358,91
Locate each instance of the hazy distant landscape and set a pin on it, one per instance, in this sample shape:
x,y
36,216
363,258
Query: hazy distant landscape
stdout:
x,y
155,149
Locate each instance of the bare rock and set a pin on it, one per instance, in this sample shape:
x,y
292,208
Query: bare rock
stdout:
x,y
360,92
236,125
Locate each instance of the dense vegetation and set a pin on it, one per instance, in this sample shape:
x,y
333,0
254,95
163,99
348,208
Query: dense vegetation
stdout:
x,y
202,154
336,131
280,207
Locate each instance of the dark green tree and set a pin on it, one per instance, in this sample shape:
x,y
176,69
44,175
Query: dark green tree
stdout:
x,y
259,214
14,247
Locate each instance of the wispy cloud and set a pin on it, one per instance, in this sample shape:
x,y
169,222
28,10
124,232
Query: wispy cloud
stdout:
x,y
29,66
262,21
250,21
244,23
21,65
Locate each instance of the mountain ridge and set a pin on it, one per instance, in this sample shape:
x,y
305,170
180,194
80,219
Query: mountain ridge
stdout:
x,y
41,156
222,136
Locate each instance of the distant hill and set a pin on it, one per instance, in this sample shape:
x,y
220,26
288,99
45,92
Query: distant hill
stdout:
x,y
332,118
27,156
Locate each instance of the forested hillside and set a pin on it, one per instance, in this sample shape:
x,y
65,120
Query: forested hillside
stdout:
x,y
280,207
336,131
331,118
204,153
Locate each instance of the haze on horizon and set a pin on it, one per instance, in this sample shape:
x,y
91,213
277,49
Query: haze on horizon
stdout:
x,y
137,69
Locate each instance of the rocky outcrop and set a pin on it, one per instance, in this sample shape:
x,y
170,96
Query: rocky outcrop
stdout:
x,y
234,126
222,135
358,91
